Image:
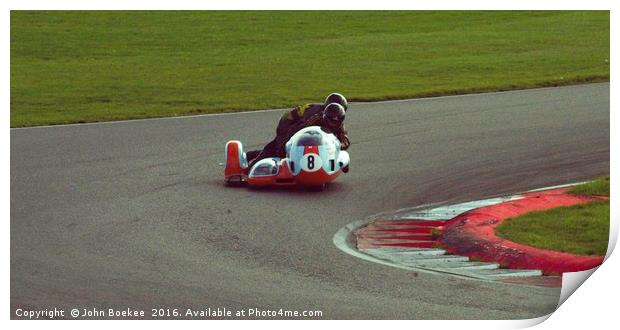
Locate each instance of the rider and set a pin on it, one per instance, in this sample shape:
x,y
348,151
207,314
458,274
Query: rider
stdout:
x,y
329,115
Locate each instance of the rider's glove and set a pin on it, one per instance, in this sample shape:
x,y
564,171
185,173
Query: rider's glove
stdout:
x,y
344,142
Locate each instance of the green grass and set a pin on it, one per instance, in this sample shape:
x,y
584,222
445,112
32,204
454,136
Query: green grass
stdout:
x,y
107,65
580,229
597,187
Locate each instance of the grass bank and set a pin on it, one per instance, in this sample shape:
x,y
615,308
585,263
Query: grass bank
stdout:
x,y
76,66
598,187
580,229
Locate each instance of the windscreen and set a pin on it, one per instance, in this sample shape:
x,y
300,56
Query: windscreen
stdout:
x,y
265,168
310,139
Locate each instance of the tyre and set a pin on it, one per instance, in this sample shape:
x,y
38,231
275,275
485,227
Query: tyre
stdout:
x,y
318,188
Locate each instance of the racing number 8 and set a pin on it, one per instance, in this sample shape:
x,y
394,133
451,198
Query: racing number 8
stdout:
x,y
310,162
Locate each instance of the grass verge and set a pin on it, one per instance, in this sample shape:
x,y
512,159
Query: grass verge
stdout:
x,y
598,187
85,66
580,229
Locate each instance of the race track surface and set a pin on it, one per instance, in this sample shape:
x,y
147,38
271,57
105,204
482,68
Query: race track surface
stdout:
x,y
135,214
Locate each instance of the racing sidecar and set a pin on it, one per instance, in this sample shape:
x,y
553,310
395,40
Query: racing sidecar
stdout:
x,y
313,158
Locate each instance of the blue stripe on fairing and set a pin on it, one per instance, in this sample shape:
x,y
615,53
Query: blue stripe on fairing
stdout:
x,y
296,153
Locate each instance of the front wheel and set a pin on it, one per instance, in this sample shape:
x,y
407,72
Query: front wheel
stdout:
x,y
319,188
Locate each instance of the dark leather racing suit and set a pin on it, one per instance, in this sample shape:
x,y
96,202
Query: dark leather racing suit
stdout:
x,y
290,123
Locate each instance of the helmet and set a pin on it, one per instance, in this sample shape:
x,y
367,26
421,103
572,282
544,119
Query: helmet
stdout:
x,y
333,115
336,98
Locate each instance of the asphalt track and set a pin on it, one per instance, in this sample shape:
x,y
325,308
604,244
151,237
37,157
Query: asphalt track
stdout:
x,y
134,214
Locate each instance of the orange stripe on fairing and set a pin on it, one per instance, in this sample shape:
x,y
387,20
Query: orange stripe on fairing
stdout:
x,y
311,150
305,178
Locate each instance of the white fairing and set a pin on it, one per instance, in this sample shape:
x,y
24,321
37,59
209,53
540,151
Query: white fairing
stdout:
x,y
343,158
329,158
309,150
